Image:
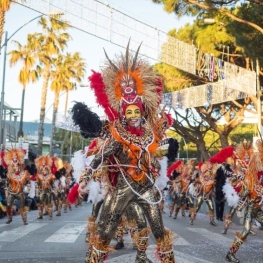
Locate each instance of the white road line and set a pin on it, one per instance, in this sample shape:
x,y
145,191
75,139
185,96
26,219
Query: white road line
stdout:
x,y
211,235
16,233
68,233
179,256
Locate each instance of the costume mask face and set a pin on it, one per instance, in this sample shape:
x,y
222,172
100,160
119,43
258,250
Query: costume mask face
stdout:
x,y
15,163
128,85
133,115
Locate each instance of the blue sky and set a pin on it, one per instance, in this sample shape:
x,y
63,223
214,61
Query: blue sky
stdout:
x,y
90,48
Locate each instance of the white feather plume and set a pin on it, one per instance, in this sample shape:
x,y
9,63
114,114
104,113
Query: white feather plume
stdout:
x,y
56,183
94,191
32,191
162,180
78,164
192,191
231,195
63,181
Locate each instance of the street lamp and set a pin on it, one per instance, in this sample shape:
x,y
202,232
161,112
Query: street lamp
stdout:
x,y
54,13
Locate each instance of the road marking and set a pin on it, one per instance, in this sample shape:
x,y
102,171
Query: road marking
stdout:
x,y
179,256
16,233
67,234
219,238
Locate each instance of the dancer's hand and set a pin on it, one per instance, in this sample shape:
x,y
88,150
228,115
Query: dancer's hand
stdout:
x,y
81,190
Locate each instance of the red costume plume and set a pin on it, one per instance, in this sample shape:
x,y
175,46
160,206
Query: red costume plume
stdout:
x,y
200,165
222,155
73,194
173,167
97,84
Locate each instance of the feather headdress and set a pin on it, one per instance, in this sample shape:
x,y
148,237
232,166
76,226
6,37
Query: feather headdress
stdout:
x,y
40,159
147,89
174,167
9,153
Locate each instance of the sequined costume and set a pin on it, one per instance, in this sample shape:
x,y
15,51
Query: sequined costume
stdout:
x,y
44,185
16,180
132,89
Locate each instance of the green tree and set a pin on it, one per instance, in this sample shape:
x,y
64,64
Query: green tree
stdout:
x,y
67,71
202,8
27,73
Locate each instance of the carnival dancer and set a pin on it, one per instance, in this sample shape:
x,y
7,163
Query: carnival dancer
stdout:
x,y
44,185
60,190
174,173
16,180
132,90
237,168
251,195
204,189
68,181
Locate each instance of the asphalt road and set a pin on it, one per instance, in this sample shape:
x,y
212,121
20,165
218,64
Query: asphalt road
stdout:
x,y
62,240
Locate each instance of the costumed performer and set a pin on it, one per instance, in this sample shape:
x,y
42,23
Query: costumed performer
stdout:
x,y
132,89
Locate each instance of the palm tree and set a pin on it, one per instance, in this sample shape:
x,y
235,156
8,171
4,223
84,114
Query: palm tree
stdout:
x,y
68,70
52,42
4,6
27,73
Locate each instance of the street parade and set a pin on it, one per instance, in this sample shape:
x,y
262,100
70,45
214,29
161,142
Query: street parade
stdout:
x,y
159,163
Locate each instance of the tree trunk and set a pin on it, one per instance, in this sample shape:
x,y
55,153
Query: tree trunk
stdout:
x,y
53,133
20,131
46,76
224,140
201,148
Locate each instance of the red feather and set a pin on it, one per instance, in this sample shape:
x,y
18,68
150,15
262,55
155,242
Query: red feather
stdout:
x,y
169,119
200,165
173,167
54,168
222,155
2,159
73,194
97,84
93,144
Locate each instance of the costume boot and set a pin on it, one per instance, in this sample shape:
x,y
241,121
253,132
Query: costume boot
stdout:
x,y
65,208
119,237
132,226
165,248
40,212
171,208
50,212
227,223
23,212
237,243
9,213
183,210
59,210
192,215
97,254
69,207
212,218
141,238
176,212
91,227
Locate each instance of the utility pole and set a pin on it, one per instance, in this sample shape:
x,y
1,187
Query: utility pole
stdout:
x,y
3,93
